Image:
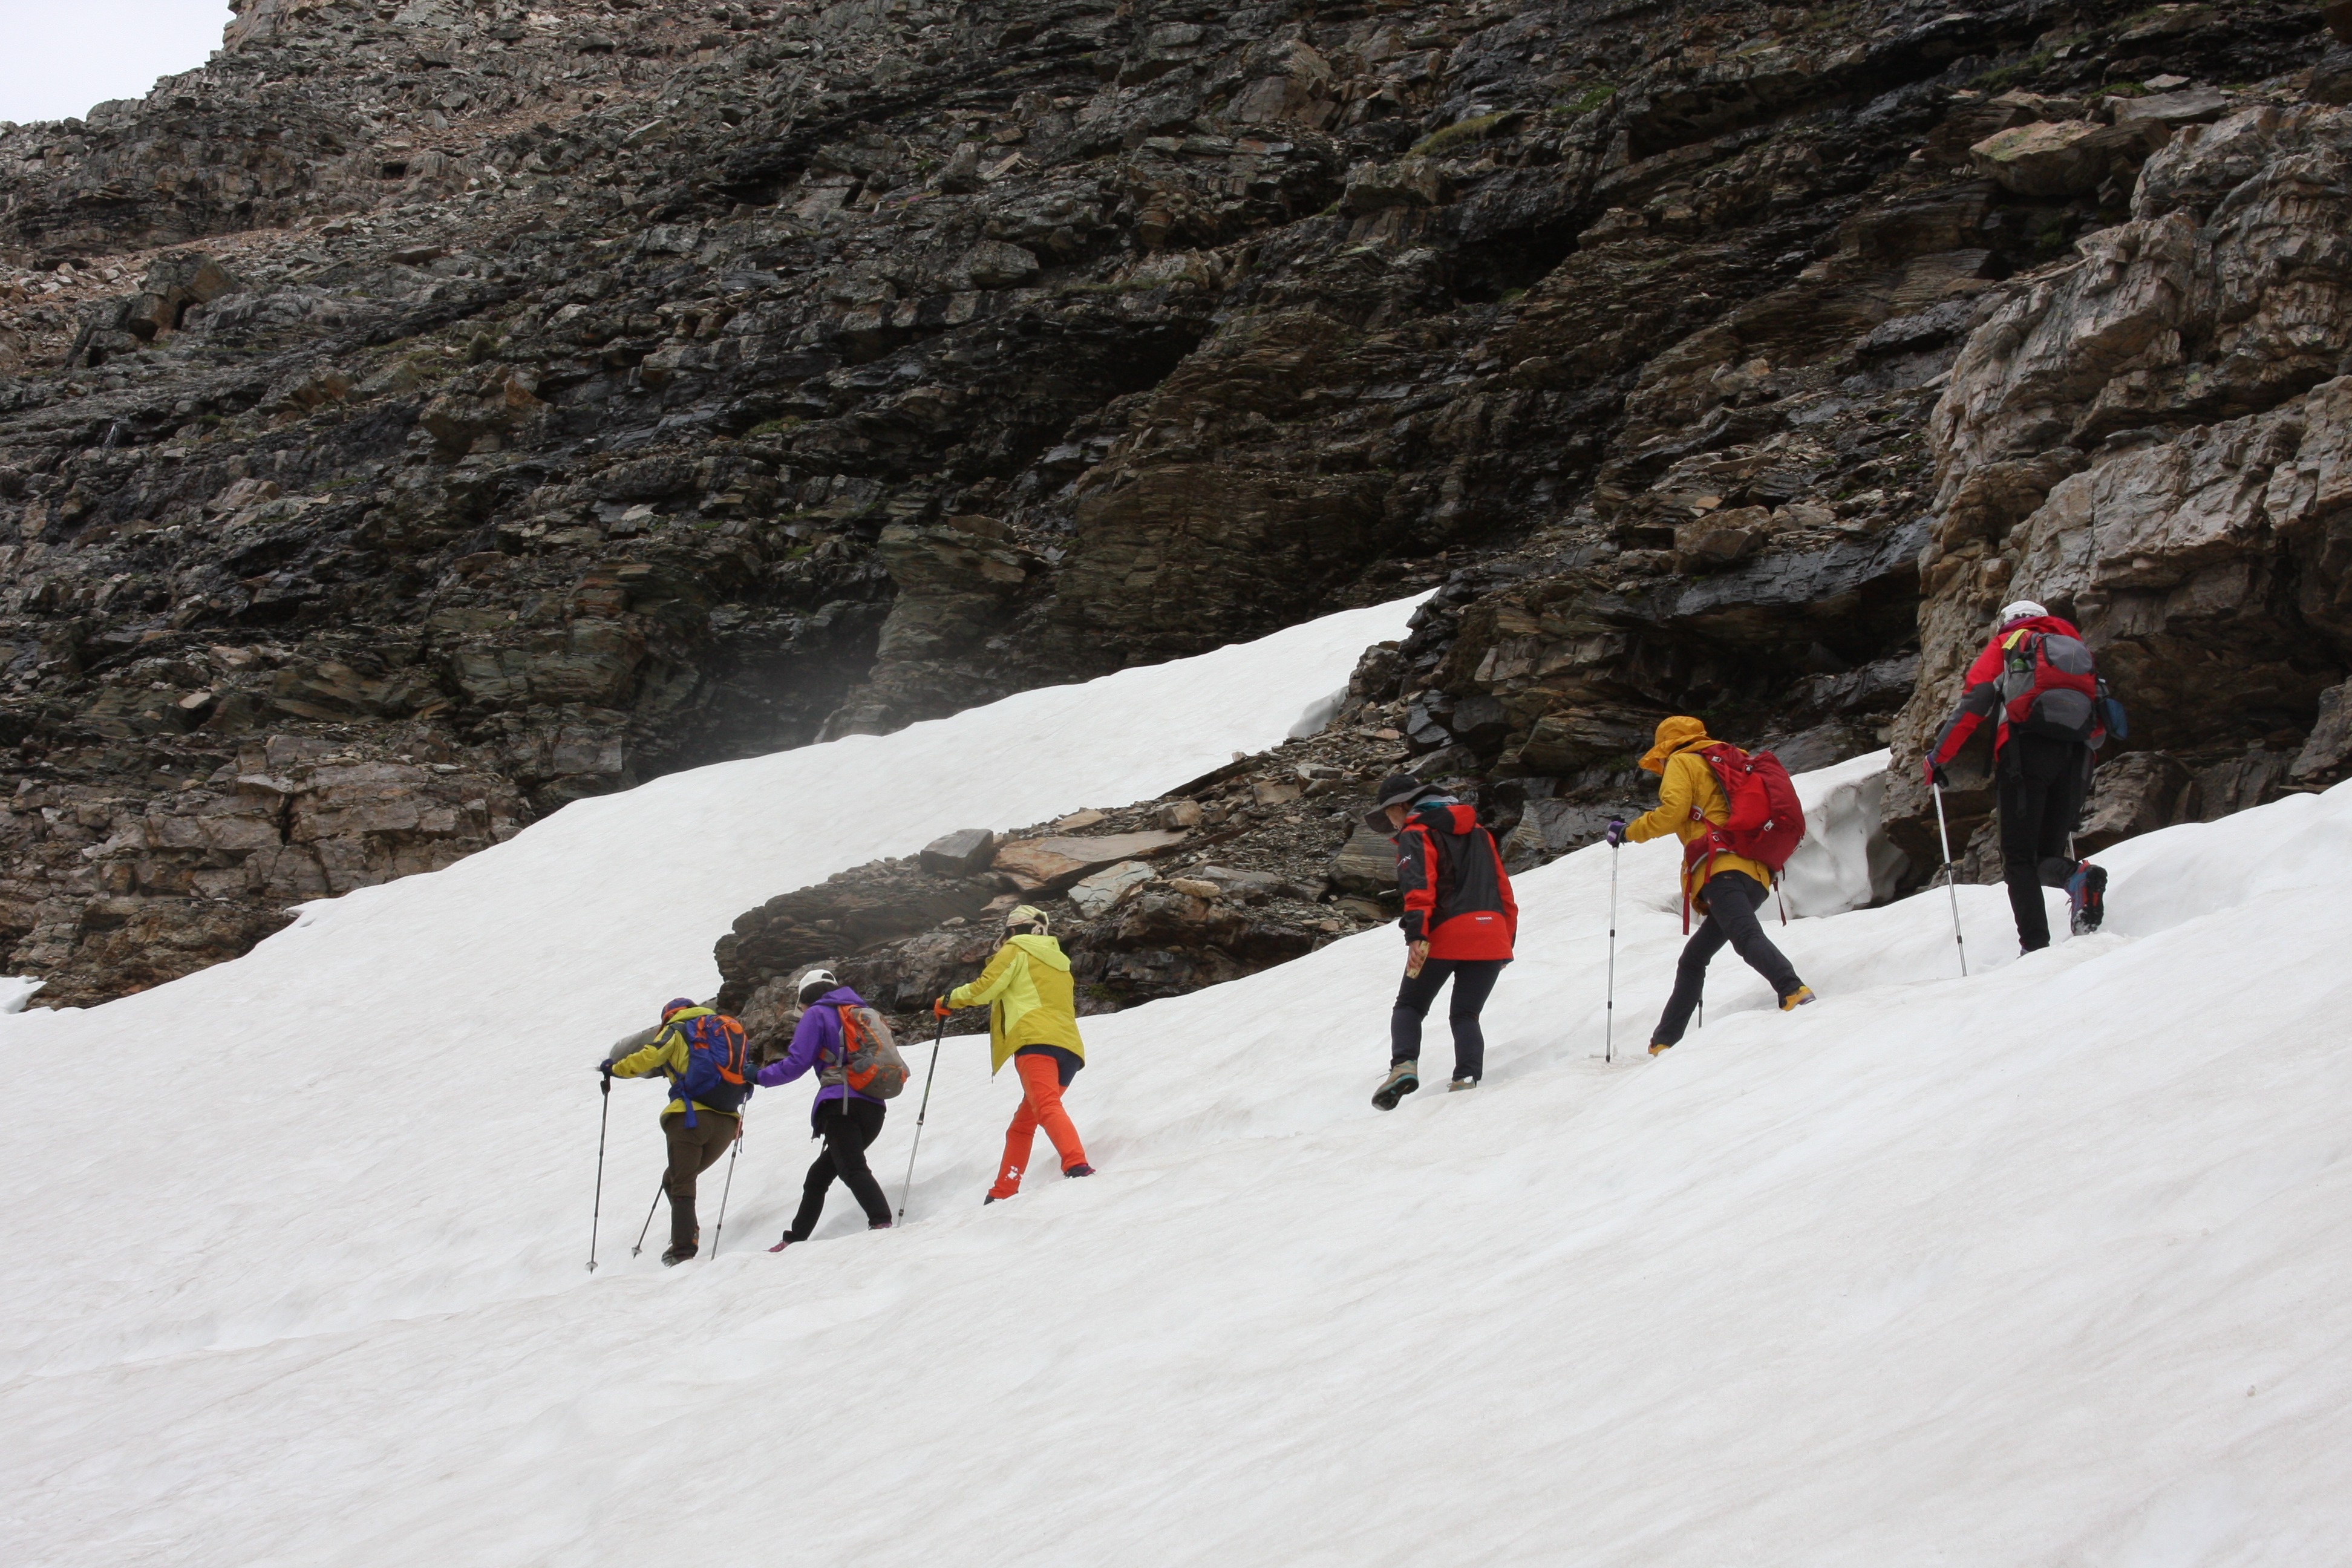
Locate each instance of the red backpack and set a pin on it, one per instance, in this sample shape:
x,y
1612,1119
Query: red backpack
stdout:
x,y
2050,686
1766,823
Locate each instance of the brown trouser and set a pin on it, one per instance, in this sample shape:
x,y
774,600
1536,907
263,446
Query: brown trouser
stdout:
x,y
692,1150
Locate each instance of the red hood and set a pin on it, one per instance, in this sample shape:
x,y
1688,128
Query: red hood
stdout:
x,y
1454,819
2041,624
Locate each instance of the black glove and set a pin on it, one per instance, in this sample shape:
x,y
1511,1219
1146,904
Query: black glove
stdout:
x,y
1935,773
1615,833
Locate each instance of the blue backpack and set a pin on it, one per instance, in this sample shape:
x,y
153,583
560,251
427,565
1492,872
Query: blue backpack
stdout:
x,y
717,1071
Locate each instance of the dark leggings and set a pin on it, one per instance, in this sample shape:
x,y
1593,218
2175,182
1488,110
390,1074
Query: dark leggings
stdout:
x,y
2041,783
1473,981
1732,900
849,1126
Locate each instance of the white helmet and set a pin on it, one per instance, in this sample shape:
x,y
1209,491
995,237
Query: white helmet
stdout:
x,y
2023,610
815,984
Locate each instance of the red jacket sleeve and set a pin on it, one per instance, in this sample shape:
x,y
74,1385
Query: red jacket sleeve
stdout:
x,y
1979,701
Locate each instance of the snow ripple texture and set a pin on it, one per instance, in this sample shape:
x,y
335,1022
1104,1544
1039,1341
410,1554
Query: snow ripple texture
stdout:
x,y
2041,1266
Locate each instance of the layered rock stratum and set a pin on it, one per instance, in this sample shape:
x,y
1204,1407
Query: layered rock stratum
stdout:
x,y
427,414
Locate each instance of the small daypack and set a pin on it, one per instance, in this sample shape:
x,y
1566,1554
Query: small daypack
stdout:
x,y
2050,686
870,1061
717,1071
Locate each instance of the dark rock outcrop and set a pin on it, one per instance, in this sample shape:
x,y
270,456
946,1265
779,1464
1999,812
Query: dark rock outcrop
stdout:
x,y
565,394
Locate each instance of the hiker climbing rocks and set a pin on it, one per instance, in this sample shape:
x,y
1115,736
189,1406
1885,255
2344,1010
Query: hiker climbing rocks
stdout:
x,y
700,1052
1724,886
1460,921
2050,711
1033,1020
833,1017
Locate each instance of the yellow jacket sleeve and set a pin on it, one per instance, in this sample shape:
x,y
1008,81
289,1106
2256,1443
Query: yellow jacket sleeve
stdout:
x,y
1676,791
667,1051
993,981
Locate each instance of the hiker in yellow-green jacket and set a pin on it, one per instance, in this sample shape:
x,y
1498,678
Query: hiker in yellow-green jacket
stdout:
x,y
700,1052
1033,1019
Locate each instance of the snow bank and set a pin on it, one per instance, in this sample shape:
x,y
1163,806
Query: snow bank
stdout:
x,y
2044,1265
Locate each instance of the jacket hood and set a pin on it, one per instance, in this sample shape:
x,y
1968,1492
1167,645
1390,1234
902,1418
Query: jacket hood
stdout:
x,y
2064,628
839,996
1450,816
1043,949
1674,735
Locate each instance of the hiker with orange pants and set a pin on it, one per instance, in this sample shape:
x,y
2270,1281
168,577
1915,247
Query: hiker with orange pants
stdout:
x,y
1033,1020
1727,887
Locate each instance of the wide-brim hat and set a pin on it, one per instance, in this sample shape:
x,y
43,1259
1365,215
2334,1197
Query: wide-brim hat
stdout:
x,y
1397,789
1674,735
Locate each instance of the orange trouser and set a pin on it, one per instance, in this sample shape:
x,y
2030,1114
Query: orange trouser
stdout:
x,y
1041,1106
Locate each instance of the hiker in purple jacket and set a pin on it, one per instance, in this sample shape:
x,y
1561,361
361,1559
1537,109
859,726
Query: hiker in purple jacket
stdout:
x,y
847,1120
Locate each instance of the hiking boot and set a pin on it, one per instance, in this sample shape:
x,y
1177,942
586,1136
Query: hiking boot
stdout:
x,y
677,1253
1080,1169
1660,1047
1402,1079
1797,998
1459,1084
787,1241
877,1225
2086,897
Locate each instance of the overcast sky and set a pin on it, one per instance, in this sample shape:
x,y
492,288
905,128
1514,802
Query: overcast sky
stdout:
x,y
60,57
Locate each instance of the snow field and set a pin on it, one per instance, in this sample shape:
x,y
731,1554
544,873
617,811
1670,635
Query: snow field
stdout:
x,y
378,1113
2044,1265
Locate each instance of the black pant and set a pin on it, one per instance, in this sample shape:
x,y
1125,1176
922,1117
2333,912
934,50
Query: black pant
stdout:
x,y
850,1127
1732,900
2041,785
1474,982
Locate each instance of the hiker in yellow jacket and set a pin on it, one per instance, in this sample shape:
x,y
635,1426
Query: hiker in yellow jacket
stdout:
x,y
1728,889
698,1123
1033,1019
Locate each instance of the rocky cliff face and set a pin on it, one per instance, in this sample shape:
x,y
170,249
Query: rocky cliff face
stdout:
x,y
2145,438
430,413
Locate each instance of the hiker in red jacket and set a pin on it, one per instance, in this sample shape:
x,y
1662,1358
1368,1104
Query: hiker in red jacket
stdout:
x,y
2043,732
1460,921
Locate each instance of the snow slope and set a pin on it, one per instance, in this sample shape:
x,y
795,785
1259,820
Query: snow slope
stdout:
x,y
375,1090
2044,1265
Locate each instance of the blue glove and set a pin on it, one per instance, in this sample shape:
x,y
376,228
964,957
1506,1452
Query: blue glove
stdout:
x,y
1616,831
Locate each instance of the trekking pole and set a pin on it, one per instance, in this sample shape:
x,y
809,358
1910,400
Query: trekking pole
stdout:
x,y
1951,884
720,1229
907,1190
649,1218
1609,1013
596,1220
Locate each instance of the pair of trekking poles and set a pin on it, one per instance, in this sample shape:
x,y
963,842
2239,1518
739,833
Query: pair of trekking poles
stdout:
x,y
604,1118
1609,1025
596,1219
